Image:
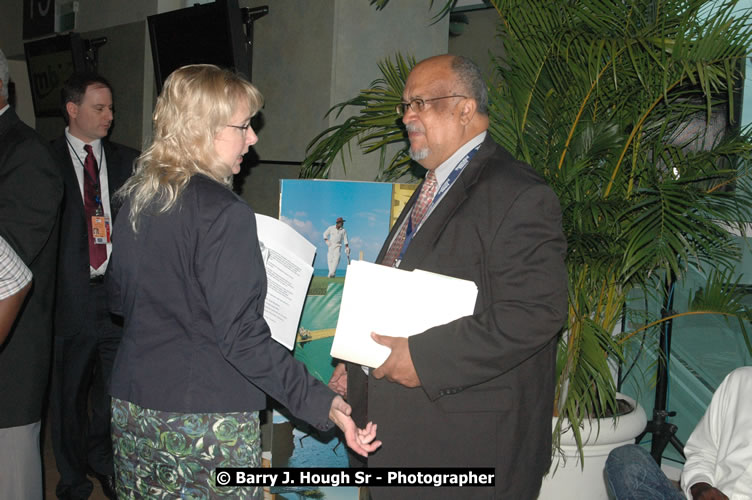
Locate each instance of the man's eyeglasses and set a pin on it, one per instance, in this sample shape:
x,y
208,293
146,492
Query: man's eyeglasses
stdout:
x,y
244,128
419,105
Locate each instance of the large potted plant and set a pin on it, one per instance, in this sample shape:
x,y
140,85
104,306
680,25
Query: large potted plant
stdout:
x,y
628,110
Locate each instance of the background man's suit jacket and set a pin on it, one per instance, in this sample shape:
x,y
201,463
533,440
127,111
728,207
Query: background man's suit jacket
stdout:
x,y
73,263
488,379
31,189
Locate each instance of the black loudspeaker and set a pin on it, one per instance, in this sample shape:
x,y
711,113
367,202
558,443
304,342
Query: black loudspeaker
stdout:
x,y
203,34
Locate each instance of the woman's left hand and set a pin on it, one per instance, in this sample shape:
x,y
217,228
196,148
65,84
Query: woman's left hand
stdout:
x,y
361,441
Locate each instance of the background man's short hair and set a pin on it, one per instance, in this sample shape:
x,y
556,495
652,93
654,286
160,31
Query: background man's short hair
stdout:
x,y
75,87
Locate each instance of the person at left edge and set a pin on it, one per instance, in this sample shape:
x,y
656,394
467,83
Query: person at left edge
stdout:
x,y
86,334
15,282
31,190
188,276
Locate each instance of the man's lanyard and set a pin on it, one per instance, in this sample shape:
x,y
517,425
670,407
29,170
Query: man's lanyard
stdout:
x,y
436,199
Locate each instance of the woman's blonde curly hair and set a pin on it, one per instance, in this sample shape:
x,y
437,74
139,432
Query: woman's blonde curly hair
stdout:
x,y
196,103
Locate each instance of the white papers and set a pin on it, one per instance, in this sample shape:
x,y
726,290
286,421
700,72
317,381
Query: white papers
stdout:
x,y
397,303
288,257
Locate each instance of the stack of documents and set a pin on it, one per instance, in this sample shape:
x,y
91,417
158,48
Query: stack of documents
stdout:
x,y
288,257
393,302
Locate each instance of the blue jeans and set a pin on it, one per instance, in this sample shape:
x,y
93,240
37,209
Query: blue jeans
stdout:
x,y
632,474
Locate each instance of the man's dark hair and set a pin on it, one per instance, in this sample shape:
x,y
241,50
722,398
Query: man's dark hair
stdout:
x,y
75,87
468,74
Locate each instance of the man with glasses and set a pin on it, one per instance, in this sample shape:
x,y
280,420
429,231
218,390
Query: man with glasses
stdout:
x,y
479,391
86,335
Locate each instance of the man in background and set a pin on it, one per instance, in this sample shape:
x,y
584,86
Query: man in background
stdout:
x,y
719,457
334,236
31,189
478,391
86,334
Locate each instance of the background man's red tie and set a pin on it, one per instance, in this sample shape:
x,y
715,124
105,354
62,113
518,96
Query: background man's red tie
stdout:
x,y
92,200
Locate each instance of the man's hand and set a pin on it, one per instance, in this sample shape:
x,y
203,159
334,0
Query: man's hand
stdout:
x,y
703,491
338,381
398,367
361,441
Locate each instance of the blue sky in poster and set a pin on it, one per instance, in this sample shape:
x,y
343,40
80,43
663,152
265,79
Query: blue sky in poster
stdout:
x,y
311,206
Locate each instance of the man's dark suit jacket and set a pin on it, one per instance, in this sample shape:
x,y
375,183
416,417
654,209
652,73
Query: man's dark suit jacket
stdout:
x,y
73,264
31,189
487,380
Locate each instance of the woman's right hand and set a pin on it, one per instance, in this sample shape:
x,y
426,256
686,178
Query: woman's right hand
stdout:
x,y
361,441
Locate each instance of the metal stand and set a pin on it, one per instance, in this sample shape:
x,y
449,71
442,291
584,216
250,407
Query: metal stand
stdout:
x,y
248,17
663,431
91,55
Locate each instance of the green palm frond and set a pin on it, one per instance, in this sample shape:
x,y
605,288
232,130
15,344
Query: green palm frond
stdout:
x,y
444,11
724,296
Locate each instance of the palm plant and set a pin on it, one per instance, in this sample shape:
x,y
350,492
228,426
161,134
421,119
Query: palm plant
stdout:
x,y
603,99
614,104
374,128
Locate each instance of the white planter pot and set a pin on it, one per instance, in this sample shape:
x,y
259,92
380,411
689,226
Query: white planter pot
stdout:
x,y
569,480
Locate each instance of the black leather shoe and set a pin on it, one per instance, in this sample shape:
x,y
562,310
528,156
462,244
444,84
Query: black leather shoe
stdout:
x,y
108,483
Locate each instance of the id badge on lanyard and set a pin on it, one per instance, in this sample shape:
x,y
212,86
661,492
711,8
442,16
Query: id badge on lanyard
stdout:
x,y
100,223
100,229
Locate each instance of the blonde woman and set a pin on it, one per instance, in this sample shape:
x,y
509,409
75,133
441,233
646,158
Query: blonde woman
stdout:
x,y
187,275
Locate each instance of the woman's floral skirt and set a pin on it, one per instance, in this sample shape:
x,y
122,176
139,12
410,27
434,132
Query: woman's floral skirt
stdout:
x,y
164,455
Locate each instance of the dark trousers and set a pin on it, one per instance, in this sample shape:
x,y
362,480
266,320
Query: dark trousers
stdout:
x,y
81,374
357,397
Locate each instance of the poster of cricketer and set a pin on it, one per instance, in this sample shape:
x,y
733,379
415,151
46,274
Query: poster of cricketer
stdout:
x,y
346,221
